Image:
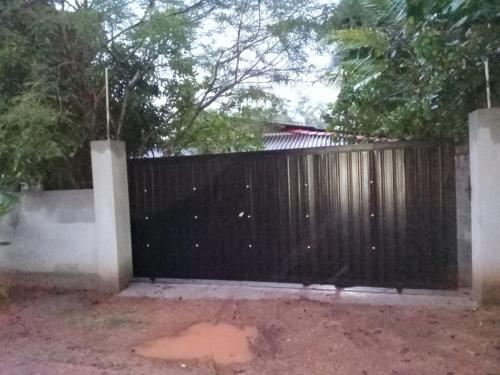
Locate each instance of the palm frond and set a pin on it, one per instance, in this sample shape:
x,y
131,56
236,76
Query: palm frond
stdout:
x,y
358,71
352,39
394,10
366,81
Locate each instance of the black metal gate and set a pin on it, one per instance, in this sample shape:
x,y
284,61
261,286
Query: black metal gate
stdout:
x,y
375,215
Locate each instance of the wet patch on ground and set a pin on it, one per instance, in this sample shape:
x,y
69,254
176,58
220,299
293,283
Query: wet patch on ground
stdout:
x,y
221,343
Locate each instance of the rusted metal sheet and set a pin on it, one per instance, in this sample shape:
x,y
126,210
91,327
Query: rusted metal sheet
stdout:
x,y
375,215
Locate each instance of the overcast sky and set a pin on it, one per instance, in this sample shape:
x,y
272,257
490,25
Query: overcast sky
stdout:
x,y
311,86
315,89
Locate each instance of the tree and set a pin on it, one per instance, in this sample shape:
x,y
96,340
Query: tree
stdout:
x,y
307,112
412,70
169,74
240,43
236,126
36,131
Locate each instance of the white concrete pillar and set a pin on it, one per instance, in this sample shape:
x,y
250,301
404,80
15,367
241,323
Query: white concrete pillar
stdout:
x,y
484,138
112,214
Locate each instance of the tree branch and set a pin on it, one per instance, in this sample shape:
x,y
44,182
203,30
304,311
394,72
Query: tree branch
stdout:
x,y
129,87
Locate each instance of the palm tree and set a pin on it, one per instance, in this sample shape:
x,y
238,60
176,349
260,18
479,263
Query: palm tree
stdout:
x,y
366,33
413,69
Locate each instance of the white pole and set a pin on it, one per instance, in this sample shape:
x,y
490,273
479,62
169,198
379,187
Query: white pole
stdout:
x,y
487,75
107,101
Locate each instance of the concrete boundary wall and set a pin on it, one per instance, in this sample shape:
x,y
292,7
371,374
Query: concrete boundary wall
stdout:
x,y
76,239
49,239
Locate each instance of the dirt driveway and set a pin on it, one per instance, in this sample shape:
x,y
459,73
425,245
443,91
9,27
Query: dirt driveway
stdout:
x,y
82,333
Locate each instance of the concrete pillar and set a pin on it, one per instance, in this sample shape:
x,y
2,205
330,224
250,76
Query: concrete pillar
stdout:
x,y
112,214
484,138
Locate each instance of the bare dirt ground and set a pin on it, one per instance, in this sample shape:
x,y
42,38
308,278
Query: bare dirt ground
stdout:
x,y
82,333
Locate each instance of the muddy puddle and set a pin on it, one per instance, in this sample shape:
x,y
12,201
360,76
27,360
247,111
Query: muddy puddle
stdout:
x,y
221,343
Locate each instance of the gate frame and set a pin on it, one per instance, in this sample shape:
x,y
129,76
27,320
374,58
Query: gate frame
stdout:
x,y
448,218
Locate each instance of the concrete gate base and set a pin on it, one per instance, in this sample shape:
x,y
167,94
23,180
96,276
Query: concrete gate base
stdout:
x,y
175,289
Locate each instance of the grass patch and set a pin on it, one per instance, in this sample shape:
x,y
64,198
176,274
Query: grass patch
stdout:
x,y
96,323
4,295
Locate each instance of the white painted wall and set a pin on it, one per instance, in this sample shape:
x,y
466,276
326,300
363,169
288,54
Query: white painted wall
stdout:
x,y
112,214
484,139
50,232
76,239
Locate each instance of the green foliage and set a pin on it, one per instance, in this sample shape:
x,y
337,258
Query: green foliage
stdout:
x,y
235,127
45,65
352,39
216,132
413,70
33,135
253,103
7,198
171,65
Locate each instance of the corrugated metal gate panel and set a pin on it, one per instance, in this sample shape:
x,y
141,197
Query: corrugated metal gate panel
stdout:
x,y
378,215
